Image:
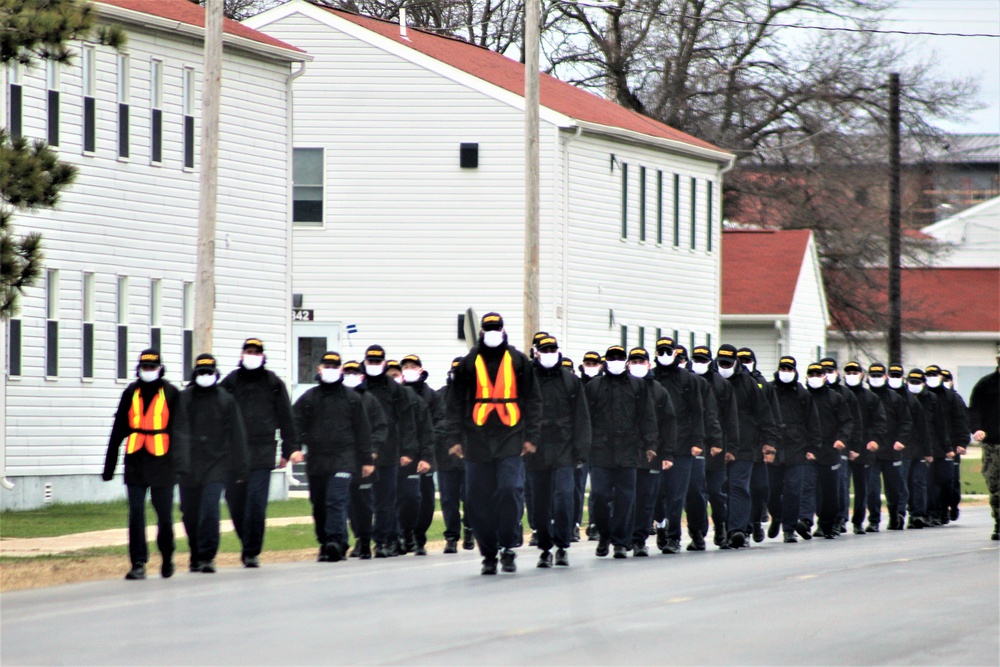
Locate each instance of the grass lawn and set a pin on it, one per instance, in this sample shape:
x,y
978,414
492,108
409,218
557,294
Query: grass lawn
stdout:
x,y
972,478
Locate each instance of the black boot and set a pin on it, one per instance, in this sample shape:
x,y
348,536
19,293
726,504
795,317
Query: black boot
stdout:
x,y
137,572
802,528
489,566
720,537
737,539
451,546
790,537
366,550
758,532
562,558
507,557
774,528
661,538
697,541
545,559
167,568
468,540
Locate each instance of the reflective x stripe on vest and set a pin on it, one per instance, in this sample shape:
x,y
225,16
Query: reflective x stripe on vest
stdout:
x,y
500,395
148,426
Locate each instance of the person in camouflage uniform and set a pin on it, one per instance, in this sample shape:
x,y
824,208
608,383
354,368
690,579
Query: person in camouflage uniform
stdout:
x,y
984,419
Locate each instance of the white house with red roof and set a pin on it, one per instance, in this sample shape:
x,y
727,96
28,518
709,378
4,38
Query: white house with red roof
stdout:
x,y
772,295
410,209
120,247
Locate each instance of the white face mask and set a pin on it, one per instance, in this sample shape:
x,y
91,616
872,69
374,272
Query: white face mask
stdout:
x,y
638,370
667,359
852,379
832,377
816,382
786,376
492,338
877,383
375,370
934,381
329,375
149,376
204,380
591,371
411,374
398,379
616,367
949,384
252,362
700,367
749,365
915,388
727,372
895,383
353,380
548,359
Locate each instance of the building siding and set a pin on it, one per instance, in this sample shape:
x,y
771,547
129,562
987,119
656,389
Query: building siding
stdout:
x,y
807,318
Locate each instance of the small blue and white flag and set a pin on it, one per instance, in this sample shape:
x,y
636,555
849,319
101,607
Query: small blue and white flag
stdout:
x,y
352,329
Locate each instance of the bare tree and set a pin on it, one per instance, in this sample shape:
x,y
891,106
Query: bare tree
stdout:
x,y
244,9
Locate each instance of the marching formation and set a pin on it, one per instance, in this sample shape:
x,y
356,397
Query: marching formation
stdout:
x,y
704,436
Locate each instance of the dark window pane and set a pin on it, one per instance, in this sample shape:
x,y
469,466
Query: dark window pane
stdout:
x,y
122,130
14,363
677,209
154,338
51,348
307,181
122,351
624,201
709,216
16,111
659,207
89,124
642,207
307,211
53,133
188,353
311,352
88,350
624,332
694,208
189,142
157,142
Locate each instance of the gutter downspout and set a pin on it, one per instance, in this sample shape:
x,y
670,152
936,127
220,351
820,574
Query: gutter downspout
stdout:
x,y
565,236
718,265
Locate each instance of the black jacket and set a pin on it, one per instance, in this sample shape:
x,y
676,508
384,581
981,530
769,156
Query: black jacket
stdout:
x,y
984,407
718,393
772,401
216,436
858,443
757,427
376,420
266,408
919,445
874,425
956,415
444,460
938,440
898,424
335,428
801,431
141,467
424,424
565,439
835,421
688,409
666,425
434,429
623,421
397,404
493,440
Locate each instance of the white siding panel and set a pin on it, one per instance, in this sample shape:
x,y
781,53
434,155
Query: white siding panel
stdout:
x,y
763,340
807,320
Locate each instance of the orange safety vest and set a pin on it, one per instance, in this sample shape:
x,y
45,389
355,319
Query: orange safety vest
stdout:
x,y
500,396
149,427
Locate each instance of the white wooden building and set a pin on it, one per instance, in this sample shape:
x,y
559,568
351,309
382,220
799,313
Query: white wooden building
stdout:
x,y
772,295
120,247
970,239
409,200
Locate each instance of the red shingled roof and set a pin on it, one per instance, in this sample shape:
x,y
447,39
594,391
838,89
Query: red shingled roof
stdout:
x,y
508,74
760,269
185,11
933,299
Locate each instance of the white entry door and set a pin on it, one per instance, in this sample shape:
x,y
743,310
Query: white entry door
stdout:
x,y
310,341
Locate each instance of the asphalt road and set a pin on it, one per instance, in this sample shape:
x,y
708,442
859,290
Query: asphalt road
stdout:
x,y
916,597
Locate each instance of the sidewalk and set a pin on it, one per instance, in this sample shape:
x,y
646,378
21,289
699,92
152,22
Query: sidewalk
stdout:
x,y
46,546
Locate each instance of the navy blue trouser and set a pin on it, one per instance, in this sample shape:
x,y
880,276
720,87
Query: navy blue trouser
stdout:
x,y
917,487
696,502
200,514
844,511
785,498
580,491
859,474
807,508
613,490
494,492
887,473
384,491
248,509
828,486
956,487
940,489
452,486
521,501
528,504
407,498
552,505
647,490
904,485
676,480
362,507
162,498
329,495
426,515
760,491
738,476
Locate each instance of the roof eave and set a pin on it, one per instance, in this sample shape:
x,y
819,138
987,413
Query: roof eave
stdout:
x,y
714,154
752,318
235,41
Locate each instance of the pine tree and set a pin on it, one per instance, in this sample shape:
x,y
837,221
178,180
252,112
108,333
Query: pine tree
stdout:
x,y
31,176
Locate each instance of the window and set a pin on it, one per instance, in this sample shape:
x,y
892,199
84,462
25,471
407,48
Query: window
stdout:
x,y
123,108
156,117
89,101
122,318
677,210
88,325
307,189
14,348
624,332
642,206
691,348
155,308
642,336
708,342
624,200
51,323
708,216
659,207
15,110
694,209
188,322
188,103
52,85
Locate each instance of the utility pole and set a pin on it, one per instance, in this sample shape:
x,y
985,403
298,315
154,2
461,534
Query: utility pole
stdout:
x,y
532,28
895,307
208,181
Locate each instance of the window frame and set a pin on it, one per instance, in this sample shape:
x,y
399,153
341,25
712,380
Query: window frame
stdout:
x,y
310,224
188,93
156,111
51,323
121,318
694,213
52,101
624,201
642,204
87,328
15,101
124,90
